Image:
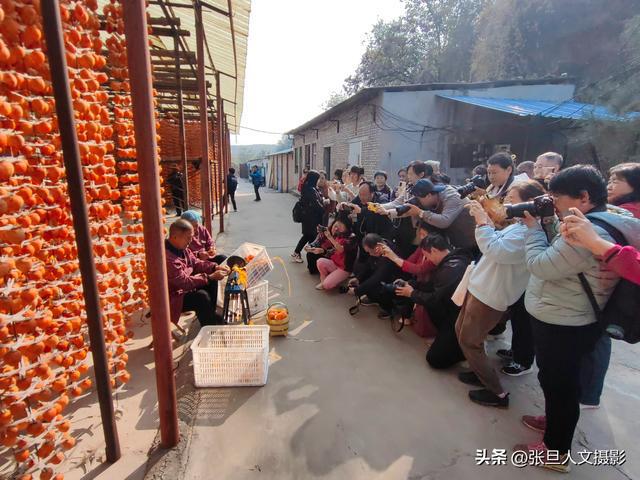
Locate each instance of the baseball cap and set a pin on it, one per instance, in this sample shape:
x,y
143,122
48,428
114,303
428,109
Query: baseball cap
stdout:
x,y
424,187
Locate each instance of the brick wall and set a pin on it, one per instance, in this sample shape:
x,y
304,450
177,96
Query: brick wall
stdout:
x,y
170,157
356,124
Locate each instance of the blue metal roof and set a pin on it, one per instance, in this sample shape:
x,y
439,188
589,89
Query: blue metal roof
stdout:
x,y
543,108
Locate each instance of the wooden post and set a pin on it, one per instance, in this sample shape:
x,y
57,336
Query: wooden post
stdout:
x,y
181,130
137,41
205,170
52,25
220,119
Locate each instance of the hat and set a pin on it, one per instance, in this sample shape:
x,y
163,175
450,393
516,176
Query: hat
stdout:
x,y
191,216
424,187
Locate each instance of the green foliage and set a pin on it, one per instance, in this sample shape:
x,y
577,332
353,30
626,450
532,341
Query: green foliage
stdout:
x,y
334,99
431,42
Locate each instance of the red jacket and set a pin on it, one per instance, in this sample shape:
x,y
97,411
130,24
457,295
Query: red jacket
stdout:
x,y
633,207
625,261
185,274
417,266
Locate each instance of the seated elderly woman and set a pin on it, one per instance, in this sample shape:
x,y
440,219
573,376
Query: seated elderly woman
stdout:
x,y
193,283
202,244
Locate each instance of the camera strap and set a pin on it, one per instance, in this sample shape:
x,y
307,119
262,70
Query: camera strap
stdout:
x,y
618,237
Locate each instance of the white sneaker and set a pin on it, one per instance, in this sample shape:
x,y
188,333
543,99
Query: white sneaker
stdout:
x,y
296,258
584,406
319,286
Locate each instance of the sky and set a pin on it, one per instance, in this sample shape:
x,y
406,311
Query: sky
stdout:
x,y
299,52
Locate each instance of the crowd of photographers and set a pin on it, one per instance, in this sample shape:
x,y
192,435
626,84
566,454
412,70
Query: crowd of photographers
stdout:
x,y
539,245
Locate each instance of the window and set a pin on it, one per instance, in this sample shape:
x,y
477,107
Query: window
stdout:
x,y
313,155
355,153
326,161
298,157
307,156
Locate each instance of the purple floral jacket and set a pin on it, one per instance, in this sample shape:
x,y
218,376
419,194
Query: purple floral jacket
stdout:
x,y
185,274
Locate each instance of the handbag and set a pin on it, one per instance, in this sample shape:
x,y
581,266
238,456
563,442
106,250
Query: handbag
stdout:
x,y
461,290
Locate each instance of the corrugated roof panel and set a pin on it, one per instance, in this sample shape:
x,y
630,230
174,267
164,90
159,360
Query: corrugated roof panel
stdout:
x,y
525,108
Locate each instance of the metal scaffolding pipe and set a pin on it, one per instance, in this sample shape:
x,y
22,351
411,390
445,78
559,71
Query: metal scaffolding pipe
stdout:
x,y
73,167
137,41
205,173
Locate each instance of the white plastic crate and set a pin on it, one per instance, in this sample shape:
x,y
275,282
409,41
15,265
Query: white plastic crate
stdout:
x,y
259,266
258,297
231,355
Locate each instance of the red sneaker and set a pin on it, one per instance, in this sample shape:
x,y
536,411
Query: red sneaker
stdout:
x,y
537,423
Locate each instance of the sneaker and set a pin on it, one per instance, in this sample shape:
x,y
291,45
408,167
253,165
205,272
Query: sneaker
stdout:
x,y
367,302
319,286
488,398
470,378
515,370
586,406
536,423
296,258
545,458
505,354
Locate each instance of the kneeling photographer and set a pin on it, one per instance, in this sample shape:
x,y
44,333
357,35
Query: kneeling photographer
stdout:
x,y
372,273
434,296
364,218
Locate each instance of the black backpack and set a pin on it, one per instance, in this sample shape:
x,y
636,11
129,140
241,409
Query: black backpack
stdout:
x,y
620,317
298,212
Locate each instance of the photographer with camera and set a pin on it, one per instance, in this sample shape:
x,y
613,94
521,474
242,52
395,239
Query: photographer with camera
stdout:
x,y
420,269
565,328
546,166
497,282
440,206
376,270
434,296
362,212
313,211
337,247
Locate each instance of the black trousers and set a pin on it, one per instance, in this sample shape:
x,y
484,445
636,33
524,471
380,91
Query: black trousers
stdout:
x,y
256,189
303,241
178,202
445,350
522,338
312,260
559,350
203,302
232,196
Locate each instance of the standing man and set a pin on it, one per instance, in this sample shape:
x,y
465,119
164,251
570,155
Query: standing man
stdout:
x,y
176,183
256,179
232,185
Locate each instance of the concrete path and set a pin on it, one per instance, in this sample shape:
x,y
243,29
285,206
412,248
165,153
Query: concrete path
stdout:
x,y
347,398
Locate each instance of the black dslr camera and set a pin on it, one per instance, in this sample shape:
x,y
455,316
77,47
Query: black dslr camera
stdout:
x,y
478,181
402,209
541,206
390,288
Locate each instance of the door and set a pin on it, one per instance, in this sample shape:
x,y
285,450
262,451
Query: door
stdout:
x,y
326,161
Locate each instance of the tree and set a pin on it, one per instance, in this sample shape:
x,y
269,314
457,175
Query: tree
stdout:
x,y
284,143
535,38
431,42
334,99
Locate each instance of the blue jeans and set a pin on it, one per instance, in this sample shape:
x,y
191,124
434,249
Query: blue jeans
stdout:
x,y
594,368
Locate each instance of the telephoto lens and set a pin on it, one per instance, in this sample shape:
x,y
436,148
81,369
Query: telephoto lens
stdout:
x,y
541,206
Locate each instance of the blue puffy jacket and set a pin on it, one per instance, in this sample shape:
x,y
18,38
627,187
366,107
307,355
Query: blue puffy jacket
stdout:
x,y
256,178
